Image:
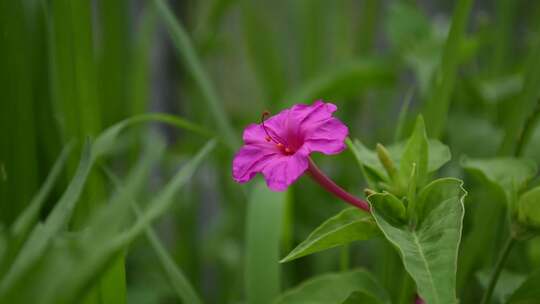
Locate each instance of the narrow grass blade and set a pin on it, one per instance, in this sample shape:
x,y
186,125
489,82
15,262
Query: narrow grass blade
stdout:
x,y
184,290
263,50
29,216
524,105
179,282
264,219
187,52
41,235
345,80
402,118
438,103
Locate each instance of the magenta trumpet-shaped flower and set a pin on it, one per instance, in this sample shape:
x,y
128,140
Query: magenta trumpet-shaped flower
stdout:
x,y
279,147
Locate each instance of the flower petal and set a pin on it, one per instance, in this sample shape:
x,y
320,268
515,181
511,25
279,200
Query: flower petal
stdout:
x,y
285,170
254,133
307,115
327,137
250,160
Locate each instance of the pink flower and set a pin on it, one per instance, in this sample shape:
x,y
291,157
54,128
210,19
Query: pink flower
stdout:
x,y
279,147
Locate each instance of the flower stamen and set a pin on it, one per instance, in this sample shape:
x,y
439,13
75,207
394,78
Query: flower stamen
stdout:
x,y
279,142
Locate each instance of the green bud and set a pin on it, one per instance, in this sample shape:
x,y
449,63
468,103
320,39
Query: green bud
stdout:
x,y
386,161
390,207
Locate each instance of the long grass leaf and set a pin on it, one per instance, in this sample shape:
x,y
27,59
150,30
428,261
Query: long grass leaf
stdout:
x,y
264,219
263,50
41,235
345,80
29,216
525,104
438,103
106,252
177,278
186,50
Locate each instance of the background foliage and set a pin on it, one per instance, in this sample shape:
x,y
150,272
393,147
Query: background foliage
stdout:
x,y
104,202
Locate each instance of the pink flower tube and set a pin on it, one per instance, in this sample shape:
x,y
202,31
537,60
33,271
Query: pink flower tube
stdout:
x,y
279,148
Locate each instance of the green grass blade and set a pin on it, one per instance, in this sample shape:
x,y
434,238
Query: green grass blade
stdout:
x,y
164,199
344,81
186,50
263,50
525,104
177,278
179,282
264,221
402,118
29,216
41,235
438,103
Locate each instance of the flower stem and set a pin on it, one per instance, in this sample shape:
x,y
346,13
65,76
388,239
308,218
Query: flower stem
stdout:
x,y
333,188
498,268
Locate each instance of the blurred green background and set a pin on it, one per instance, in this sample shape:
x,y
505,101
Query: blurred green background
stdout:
x,y
71,68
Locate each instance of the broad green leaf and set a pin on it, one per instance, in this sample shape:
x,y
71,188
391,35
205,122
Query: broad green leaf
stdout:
x,y
429,250
263,231
529,208
416,153
334,288
528,292
362,297
347,226
507,173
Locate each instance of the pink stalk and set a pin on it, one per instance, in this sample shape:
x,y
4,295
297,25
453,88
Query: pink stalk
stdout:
x,y
330,186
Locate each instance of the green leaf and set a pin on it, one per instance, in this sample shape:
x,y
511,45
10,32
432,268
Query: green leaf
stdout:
x,y
524,105
429,250
529,208
29,216
507,173
528,292
41,235
439,154
389,207
347,226
416,152
361,297
438,103
335,288
263,230
91,251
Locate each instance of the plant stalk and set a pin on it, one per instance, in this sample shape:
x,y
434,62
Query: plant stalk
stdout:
x,y
318,176
498,268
